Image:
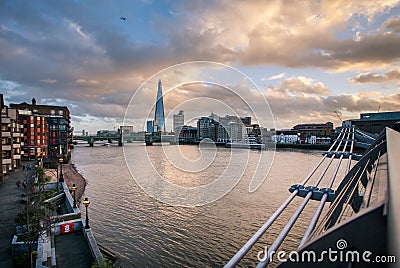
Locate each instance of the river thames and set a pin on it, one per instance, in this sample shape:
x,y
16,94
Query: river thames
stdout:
x,y
145,232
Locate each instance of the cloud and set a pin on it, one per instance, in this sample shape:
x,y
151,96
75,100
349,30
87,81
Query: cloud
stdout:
x,y
84,82
276,33
305,85
85,57
291,109
278,76
48,81
392,24
391,76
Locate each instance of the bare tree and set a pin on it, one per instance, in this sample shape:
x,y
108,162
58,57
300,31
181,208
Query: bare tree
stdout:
x,y
34,220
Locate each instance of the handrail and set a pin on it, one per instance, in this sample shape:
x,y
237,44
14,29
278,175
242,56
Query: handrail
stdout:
x,y
250,243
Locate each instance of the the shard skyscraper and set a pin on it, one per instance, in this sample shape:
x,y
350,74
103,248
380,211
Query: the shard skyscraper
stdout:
x,y
159,119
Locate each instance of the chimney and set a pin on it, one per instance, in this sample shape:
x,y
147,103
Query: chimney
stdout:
x,y
33,101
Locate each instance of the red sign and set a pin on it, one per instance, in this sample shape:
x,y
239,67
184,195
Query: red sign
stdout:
x,y
67,228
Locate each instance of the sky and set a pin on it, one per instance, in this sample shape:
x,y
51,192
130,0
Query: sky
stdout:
x,y
308,61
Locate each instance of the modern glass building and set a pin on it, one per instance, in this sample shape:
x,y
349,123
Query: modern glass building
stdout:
x,y
159,119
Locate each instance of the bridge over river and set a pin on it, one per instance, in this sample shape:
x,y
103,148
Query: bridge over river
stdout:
x,y
92,139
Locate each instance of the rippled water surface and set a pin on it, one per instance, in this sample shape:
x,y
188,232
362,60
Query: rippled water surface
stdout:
x,y
145,232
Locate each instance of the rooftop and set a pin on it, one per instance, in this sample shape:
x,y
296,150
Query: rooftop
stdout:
x,y
380,116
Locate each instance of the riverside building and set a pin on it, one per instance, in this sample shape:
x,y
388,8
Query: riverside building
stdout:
x,y
58,133
36,133
11,140
374,122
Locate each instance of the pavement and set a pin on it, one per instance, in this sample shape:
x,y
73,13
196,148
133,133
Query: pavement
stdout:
x,y
72,250
10,206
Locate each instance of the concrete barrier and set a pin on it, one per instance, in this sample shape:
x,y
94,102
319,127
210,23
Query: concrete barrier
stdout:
x,y
18,247
56,229
97,256
69,202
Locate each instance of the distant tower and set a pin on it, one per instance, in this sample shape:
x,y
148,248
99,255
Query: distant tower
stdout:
x,y
179,121
159,119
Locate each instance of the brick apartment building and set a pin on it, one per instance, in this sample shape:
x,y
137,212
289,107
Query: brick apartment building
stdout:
x,y
47,130
35,131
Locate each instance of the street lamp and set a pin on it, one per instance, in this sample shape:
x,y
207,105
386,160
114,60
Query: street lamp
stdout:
x,y
86,203
36,170
73,188
61,174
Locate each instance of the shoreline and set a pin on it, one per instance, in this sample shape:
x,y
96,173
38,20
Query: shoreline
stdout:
x,y
71,175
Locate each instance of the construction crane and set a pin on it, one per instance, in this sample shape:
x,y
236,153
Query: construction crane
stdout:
x,y
338,115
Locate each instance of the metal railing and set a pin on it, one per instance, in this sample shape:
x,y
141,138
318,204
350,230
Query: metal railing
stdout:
x,y
338,150
353,195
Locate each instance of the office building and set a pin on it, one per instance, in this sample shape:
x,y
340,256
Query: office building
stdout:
x,y
178,122
127,130
159,119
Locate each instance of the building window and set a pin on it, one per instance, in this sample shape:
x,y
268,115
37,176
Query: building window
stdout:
x,y
52,112
60,112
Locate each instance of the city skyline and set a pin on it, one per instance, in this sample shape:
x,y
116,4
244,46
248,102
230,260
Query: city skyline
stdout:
x,y
330,57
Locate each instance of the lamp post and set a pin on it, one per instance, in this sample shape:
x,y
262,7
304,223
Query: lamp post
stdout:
x,y
86,203
36,171
60,160
73,188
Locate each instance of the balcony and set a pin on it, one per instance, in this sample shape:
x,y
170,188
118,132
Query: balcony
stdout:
x,y
6,148
6,120
16,156
16,134
16,145
6,161
6,134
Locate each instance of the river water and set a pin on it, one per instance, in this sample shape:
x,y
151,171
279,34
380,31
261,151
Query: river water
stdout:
x,y
145,232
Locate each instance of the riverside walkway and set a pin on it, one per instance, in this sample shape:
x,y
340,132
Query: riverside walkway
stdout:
x,y
10,206
72,250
